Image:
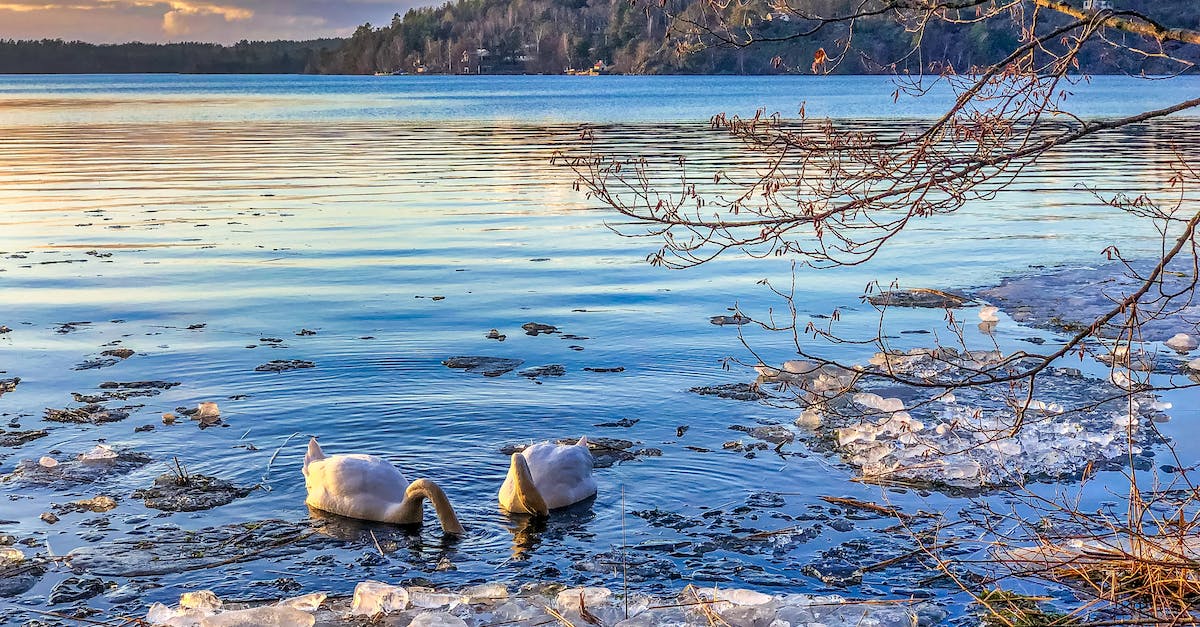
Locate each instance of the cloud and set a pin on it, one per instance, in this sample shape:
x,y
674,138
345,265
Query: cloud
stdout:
x,y
222,21
176,22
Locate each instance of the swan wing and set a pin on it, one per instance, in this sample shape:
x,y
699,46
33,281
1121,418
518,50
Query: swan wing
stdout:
x,y
562,474
355,485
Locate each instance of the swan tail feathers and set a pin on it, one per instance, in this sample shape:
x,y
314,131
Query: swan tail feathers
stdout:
x,y
314,454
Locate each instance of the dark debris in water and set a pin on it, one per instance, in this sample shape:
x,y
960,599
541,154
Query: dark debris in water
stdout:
x,y
17,438
138,385
167,550
733,391
8,385
919,297
551,370
174,492
72,472
95,364
537,328
486,366
88,414
76,589
735,320
623,423
283,365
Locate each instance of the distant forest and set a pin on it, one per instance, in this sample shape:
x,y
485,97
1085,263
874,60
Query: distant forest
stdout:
x,y
549,36
55,56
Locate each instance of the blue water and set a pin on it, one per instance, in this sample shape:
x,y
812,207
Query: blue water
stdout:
x,y
260,206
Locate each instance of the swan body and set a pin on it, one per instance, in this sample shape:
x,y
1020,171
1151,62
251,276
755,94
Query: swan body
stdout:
x,y
548,476
369,488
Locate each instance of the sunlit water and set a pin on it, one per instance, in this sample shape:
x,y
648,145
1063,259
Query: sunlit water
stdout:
x,y
260,206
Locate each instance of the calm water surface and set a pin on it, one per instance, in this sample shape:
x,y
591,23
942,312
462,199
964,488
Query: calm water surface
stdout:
x,y
260,206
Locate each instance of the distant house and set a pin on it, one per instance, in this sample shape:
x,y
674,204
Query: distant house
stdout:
x,y
1096,5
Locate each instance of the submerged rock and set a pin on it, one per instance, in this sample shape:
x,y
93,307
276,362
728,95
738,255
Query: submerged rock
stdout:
x,y
283,365
167,550
95,465
17,438
8,385
486,366
88,414
734,391
919,297
76,589
537,328
552,370
176,492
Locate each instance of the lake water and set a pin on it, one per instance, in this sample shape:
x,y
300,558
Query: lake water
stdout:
x,y
256,207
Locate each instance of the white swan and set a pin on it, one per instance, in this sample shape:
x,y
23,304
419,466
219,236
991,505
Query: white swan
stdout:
x,y
369,488
547,476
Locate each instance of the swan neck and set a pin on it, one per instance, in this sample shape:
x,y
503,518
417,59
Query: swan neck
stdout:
x,y
422,489
527,494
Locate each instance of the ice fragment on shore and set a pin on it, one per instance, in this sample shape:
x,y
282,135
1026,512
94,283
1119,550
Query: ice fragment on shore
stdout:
x,y
437,619
571,597
305,603
266,616
374,597
426,598
159,614
484,593
202,600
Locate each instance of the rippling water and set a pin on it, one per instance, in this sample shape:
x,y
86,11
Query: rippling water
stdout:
x,y
260,206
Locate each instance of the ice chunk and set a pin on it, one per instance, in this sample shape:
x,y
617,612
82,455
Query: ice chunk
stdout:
x,y
305,603
484,593
266,616
159,614
101,454
741,596
437,619
374,597
47,462
988,313
569,598
1182,343
424,597
203,600
809,419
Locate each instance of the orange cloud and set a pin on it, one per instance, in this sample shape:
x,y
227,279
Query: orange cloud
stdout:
x,y
175,17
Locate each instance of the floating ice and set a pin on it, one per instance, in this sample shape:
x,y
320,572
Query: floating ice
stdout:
x,y
101,454
984,436
988,313
1182,343
375,597
159,614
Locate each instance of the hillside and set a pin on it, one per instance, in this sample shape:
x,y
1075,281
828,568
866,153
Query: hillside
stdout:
x,y
547,36
55,56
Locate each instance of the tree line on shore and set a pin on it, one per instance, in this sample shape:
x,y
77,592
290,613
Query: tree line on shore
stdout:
x,y
550,36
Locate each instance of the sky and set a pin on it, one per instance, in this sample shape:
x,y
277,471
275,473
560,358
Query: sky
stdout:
x,y
222,21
